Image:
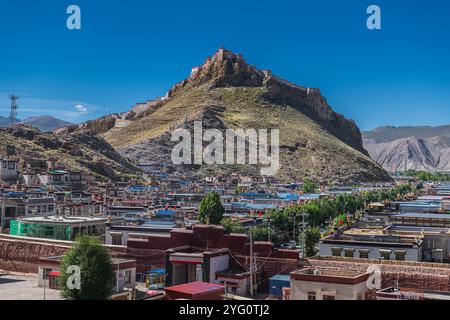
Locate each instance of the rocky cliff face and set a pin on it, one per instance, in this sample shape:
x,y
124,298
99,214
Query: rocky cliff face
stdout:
x,y
226,92
226,69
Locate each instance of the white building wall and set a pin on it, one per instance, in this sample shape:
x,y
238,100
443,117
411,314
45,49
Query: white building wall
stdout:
x,y
300,290
219,263
412,254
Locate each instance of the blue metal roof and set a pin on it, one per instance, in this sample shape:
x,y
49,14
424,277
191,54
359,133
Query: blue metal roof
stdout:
x,y
157,271
260,206
165,213
254,195
281,277
16,194
288,196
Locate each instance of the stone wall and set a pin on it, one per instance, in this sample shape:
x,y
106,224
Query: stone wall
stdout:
x,y
21,254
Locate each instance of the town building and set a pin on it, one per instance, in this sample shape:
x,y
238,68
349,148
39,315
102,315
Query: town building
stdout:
x,y
57,227
117,234
372,244
328,284
393,293
9,170
186,265
124,274
421,219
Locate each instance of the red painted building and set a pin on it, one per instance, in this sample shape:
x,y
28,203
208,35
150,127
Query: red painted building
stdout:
x,y
196,291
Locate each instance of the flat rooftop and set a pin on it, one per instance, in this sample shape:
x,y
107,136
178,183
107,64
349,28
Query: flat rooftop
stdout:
x,y
401,228
330,272
378,238
63,219
360,231
422,215
114,260
330,275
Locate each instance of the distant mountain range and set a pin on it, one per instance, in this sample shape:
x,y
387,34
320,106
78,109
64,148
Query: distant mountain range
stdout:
x,y
43,123
4,121
410,148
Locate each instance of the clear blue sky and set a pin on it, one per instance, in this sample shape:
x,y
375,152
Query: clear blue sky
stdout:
x,y
133,50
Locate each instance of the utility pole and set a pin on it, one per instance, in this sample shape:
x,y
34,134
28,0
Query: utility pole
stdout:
x,y
251,262
293,222
303,225
13,113
45,281
226,289
2,217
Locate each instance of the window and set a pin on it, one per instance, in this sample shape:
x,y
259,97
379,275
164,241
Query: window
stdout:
x,y
359,296
326,297
311,295
400,255
364,254
349,253
127,278
336,252
116,239
385,254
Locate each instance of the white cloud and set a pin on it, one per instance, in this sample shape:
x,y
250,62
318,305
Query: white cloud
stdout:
x,y
69,110
80,108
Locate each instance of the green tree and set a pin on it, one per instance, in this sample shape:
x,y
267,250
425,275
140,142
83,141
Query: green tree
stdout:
x,y
260,233
97,275
211,209
312,237
308,186
232,226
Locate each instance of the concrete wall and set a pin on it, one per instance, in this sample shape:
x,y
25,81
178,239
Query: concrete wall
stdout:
x,y
21,254
300,289
219,263
121,280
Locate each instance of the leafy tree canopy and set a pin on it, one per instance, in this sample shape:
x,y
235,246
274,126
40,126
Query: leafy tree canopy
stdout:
x,y
97,275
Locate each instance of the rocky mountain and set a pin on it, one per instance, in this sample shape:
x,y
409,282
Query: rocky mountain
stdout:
x,y
82,150
46,123
390,133
410,148
226,92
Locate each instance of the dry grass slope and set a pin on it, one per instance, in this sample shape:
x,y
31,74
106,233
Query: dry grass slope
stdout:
x,y
307,149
